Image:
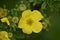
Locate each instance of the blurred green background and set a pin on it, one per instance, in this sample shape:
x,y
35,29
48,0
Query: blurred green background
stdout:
x,y
48,7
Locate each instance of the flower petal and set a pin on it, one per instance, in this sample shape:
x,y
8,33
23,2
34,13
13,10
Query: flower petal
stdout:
x,y
24,26
37,27
26,13
36,15
5,20
22,23
4,35
27,30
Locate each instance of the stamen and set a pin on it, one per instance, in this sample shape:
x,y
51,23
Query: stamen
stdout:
x,y
29,22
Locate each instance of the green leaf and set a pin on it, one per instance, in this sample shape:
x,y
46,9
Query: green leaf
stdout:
x,y
44,5
18,35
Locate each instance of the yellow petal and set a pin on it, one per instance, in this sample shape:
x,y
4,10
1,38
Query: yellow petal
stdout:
x,y
5,20
37,27
36,15
21,23
4,34
25,27
26,13
27,30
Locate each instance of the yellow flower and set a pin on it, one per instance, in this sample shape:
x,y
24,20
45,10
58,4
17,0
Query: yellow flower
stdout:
x,y
15,19
3,12
29,21
10,34
22,7
5,20
4,35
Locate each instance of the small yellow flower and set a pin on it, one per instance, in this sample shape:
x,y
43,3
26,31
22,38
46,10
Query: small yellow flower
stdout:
x,y
3,12
15,19
22,7
5,20
9,18
4,35
10,34
29,21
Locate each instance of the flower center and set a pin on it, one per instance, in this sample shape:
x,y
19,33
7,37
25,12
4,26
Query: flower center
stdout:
x,y
0,39
30,22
